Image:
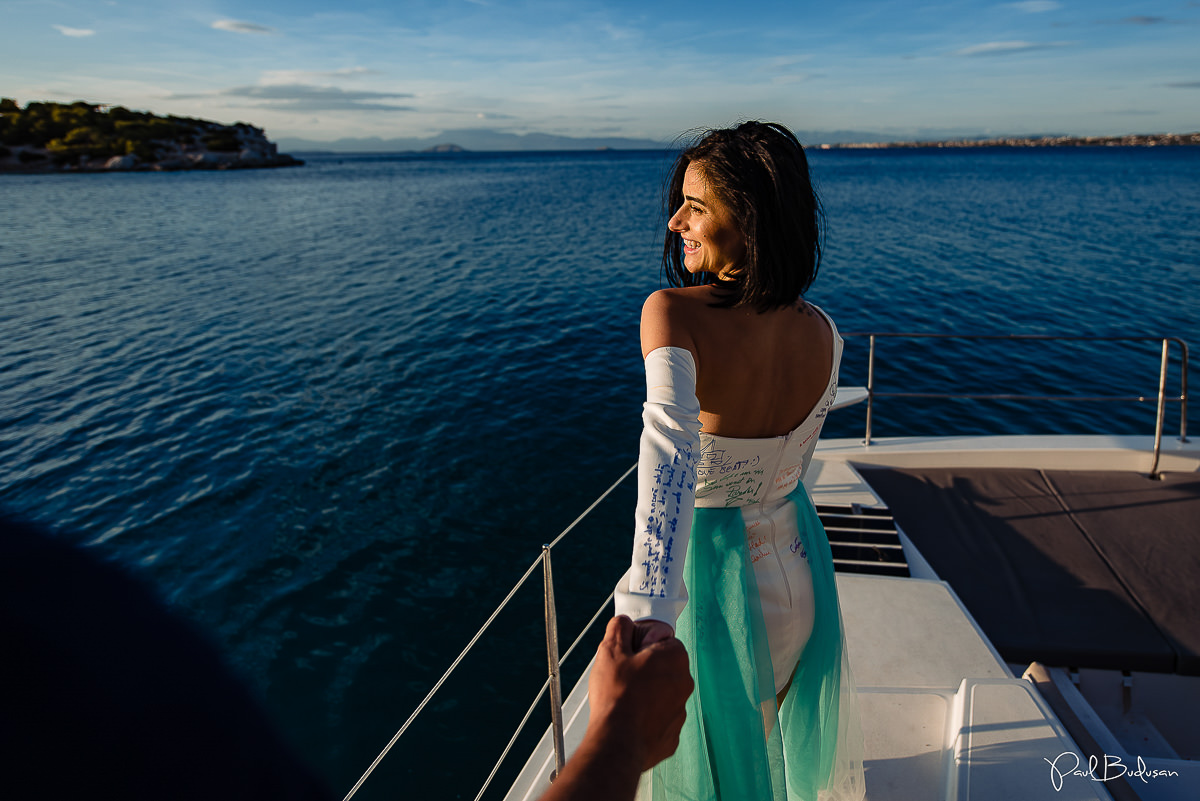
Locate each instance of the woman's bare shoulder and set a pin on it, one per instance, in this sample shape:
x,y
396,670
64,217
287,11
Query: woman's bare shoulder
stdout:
x,y
670,317
690,295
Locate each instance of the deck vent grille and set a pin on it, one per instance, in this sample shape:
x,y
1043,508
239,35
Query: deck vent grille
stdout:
x,y
863,539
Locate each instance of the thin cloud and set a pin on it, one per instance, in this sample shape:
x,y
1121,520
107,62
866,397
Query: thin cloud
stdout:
x,y
300,76
1006,48
1185,85
1035,6
618,34
1142,20
352,72
238,26
304,97
75,32
788,69
794,78
787,63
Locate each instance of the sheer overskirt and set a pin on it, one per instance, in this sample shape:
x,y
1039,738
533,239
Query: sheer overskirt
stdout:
x,y
735,745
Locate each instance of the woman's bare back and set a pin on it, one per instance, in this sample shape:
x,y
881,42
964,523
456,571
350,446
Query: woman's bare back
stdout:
x,y
759,375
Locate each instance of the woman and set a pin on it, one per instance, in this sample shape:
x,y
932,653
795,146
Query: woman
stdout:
x,y
740,373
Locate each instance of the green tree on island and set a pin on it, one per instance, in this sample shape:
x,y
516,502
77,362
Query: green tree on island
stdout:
x,y
68,132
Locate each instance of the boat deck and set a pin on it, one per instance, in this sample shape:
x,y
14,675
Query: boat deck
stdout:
x,y
1087,569
1036,541
944,718
958,726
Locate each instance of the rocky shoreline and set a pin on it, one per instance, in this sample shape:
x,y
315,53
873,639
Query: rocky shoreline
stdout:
x,y
255,151
87,138
1131,140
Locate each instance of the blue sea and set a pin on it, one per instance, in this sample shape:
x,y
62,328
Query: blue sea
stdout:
x,y
332,412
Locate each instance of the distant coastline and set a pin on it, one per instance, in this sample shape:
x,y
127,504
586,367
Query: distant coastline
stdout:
x,y
84,137
1130,140
481,141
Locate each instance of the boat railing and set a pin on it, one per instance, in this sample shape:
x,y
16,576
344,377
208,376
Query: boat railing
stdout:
x,y
1162,399
552,683
554,661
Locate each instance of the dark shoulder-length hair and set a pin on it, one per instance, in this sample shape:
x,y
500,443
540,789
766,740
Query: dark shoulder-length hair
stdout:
x,y
759,171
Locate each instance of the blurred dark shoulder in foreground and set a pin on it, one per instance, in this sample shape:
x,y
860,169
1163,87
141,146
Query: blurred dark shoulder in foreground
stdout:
x,y
104,693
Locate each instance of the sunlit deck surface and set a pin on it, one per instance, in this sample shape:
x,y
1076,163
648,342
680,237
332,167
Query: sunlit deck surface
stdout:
x,y
1092,567
1075,568
942,717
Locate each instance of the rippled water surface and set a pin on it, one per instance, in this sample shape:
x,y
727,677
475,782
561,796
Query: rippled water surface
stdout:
x,y
333,411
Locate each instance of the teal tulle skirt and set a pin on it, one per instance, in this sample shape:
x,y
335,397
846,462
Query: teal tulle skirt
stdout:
x,y
735,746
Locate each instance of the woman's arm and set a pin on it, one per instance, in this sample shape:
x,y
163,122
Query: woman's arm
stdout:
x,y
670,448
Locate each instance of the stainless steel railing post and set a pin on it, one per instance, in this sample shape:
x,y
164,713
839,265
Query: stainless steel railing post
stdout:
x,y
1162,408
560,756
870,389
1182,398
1183,390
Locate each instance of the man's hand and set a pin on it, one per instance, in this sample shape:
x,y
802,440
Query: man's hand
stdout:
x,y
639,696
637,700
647,632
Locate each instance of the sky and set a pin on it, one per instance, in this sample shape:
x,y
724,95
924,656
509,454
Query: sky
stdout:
x,y
637,68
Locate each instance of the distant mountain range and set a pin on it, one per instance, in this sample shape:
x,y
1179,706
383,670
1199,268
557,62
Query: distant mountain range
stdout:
x,y
484,139
479,139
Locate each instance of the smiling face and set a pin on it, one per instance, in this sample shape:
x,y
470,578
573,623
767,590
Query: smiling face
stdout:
x,y
712,242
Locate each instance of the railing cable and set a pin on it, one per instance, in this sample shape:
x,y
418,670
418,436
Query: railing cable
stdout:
x,y
871,394
541,693
587,628
595,503
512,740
1162,399
442,680
478,634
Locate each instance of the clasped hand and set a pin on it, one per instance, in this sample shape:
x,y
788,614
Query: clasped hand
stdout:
x,y
639,685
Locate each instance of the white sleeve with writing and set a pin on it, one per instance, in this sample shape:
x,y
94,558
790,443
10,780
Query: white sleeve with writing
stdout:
x,y
670,447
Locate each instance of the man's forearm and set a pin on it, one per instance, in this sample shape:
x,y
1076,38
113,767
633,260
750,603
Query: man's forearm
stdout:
x,y
604,768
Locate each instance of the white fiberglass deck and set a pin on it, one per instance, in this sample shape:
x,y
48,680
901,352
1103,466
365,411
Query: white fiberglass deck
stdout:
x,y
1152,701
943,718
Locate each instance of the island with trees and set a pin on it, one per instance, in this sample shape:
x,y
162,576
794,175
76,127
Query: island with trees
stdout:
x,y
86,137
